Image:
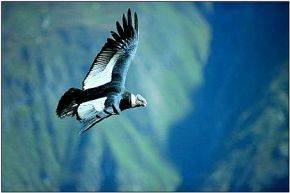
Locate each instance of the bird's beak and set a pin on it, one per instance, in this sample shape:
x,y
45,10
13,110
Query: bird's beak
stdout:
x,y
141,100
144,102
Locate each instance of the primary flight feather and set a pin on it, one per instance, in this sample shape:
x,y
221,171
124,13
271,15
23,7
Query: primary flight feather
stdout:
x,y
103,91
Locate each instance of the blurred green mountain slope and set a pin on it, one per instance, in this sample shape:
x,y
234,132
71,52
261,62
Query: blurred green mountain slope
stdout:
x,y
257,147
47,48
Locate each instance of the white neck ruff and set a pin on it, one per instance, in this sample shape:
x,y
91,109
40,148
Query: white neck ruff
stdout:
x,y
133,100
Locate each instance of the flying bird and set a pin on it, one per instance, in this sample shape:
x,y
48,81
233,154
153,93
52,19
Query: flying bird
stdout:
x,y
103,92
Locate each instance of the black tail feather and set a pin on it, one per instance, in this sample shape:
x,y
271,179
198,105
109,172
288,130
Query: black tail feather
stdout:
x,y
69,102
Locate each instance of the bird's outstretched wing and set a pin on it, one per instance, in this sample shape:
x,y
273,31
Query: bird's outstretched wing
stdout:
x,y
112,63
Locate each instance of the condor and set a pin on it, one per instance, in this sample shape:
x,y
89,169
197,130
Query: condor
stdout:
x,y
103,92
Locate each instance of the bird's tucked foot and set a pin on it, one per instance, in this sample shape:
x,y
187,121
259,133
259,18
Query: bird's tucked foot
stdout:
x,y
101,115
112,110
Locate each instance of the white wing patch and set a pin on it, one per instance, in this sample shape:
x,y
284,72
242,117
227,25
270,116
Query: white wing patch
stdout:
x,y
99,76
92,108
122,47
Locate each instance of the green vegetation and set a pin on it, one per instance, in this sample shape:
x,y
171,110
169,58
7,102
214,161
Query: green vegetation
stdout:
x,y
48,47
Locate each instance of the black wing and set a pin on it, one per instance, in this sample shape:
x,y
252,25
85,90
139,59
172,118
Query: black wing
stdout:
x,y
112,63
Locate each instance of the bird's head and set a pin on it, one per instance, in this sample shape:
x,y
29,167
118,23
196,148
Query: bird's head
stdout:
x,y
138,101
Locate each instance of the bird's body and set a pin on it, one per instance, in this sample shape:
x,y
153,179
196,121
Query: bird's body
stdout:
x,y
103,93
